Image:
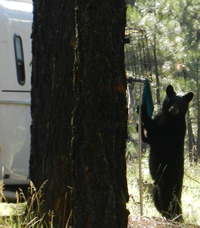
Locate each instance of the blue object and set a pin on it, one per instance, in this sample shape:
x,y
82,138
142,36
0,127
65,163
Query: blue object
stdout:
x,y
147,100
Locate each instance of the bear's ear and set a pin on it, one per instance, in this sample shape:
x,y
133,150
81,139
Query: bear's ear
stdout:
x,y
188,97
170,91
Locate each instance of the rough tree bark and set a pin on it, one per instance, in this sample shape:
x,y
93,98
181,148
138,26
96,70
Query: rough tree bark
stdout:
x,y
130,2
100,117
52,103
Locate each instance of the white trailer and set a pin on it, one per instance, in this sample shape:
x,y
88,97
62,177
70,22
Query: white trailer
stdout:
x,y
15,72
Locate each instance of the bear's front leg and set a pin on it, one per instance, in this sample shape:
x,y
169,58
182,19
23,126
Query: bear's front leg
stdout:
x,y
149,127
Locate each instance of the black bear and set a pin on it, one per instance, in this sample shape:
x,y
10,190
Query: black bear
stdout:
x,y
165,134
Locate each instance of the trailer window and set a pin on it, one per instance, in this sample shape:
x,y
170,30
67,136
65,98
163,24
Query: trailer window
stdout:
x,y
19,57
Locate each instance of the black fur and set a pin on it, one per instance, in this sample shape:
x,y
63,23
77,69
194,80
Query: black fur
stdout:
x,y
165,134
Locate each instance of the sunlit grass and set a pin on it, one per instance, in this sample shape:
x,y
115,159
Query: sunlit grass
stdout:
x,y
134,192
12,209
190,193
26,214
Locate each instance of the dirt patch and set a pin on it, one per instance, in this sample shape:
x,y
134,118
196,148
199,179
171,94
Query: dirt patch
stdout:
x,y
145,222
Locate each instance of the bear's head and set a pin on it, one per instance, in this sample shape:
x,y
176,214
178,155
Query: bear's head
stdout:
x,y
174,105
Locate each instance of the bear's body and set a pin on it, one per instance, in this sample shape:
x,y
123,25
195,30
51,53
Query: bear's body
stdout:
x,y
165,134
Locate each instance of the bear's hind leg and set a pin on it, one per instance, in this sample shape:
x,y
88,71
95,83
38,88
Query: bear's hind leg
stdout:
x,y
156,197
170,202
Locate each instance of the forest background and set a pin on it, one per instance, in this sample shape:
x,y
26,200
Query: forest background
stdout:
x,y
164,44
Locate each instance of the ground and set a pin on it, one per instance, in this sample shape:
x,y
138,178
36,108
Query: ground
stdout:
x,y
145,222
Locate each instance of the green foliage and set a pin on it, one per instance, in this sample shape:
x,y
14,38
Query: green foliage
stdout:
x,y
132,142
177,35
132,15
27,214
173,32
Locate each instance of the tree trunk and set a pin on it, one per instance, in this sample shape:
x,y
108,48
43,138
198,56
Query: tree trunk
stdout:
x,y
52,104
191,140
198,109
100,117
130,2
156,71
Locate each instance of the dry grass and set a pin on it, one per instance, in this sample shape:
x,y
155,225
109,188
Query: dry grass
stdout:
x,y
24,215
145,222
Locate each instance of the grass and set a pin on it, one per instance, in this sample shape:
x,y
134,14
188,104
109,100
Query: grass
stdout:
x,y
12,209
190,194
13,215
22,215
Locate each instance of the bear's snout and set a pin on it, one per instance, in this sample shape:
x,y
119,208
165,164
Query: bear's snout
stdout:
x,y
174,110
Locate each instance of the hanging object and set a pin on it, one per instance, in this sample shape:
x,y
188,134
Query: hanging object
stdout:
x,y
138,65
147,100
